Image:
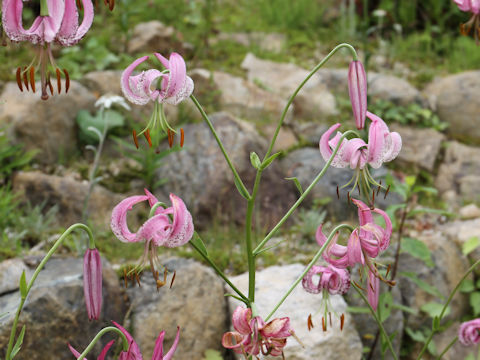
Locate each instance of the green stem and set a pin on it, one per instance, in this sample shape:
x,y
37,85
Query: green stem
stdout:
x,y
99,335
302,84
379,323
434,329
44,8
155,207
222,148
303,196
447,348
220,273
309,266
35,274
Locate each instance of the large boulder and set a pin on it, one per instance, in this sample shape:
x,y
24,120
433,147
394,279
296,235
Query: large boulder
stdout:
x,y
456,102
459,174
195,303
271,42
314,101
46,126
420,147
67,194
334,344
200,175
55,312
154,36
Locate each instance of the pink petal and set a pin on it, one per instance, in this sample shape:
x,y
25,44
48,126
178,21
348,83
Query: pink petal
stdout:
x,y
126,82
133,350
158,350
333,249
45,30
182,226
169,354
227,341
394,141
385,242
241,318
373,290
326,149
74,352
118,222
12,19
157,229
352,153
354,250
183,93
357,89
104,352
71,32
376,141
178,73
92,283
277,328
308,283
469,332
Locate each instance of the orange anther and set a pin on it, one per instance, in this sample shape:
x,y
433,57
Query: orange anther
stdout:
x,y
135,139
19,79
342,321
67,80
59,80
386,193
324,324
182,137
173,279
125,277
170,138
147,136
25,79
32,78
309,322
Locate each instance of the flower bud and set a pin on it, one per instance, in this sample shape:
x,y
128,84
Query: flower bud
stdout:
x,y
357,89
92,283
469,332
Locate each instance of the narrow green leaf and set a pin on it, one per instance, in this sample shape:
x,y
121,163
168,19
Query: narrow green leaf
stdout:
x,y
268,161
422,284
242,192
297,184
417,249
470,245
18,343
475,302
467,286
434,309
417,336
385,302
404,308
255,160
358,310
198,244
23,285
436,323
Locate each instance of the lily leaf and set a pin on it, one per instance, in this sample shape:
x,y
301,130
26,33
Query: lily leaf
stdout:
x,y
417,249
297,184
434,309
242,192
19,343
198,244
268,161
475,302
470,245
255,160
23,285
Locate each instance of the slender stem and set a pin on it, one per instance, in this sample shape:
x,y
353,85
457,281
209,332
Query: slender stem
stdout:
x,y
35,274
309,266
222,148
379,323
447,348
303,196
302,84
221,274
99,335
155,207
434,329
43,8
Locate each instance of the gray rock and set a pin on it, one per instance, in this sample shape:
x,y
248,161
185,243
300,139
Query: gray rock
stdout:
x,y
420,147
392,88
10,272
460,172
46,126
67,194
246,100
459,232
449,267
470,211
313,102
154,36
456,102
195,303
56,307
200,175
271,42
103,82
271,285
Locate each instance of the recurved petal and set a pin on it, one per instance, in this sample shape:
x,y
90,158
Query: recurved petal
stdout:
x,y
70,22
118,221
277,328
182,226
308,283
177,75
354,250
387,233
157,229
394,141
233,340
127,83
326,149
158,350
104,352
241,318
353,153
133,350
12,19
74,352
376,140
169,354
182,94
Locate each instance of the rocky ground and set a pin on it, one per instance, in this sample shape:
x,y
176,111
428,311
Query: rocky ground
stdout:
x,y
249,106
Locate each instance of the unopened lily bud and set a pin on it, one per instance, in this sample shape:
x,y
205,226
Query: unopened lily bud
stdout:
x,y
357,89
92,283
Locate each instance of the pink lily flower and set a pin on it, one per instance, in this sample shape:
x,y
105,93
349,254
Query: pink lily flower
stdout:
x,y
92,283
159,230
357,89
472,6
469,332
383,146
170,86
134,352
60,24
253,336
331,279
365,242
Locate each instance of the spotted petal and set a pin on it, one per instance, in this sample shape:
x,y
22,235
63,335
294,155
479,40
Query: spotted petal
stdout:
x,y
118,221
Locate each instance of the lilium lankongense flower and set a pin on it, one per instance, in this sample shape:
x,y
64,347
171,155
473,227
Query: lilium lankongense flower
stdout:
x,y
469,332
253,336
159,230
472,6
134,352
329,278
171,86
58,21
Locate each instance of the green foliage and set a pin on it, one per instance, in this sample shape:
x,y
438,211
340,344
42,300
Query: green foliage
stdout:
x,y
434,309
417,249
12,157
212,355
413,114
8,207
470,245
85,120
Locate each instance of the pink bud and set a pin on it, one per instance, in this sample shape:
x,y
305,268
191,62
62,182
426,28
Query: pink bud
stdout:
x,y
357,89
92,283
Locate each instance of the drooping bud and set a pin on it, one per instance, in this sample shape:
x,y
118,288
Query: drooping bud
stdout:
x,y
92,283
357,89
